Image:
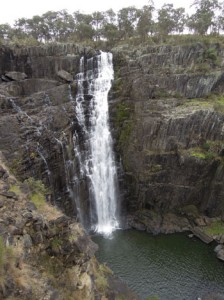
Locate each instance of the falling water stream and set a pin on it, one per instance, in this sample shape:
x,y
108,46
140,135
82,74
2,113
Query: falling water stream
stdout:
x,y
96,160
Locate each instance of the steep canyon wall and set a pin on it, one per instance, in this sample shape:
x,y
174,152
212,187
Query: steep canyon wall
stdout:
x,y
166,113
37,115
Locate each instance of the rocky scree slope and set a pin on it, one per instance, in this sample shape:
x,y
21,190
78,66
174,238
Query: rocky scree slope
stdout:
x,y
45,254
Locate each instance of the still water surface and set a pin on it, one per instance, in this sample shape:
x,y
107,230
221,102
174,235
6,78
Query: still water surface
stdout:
x,y
172,267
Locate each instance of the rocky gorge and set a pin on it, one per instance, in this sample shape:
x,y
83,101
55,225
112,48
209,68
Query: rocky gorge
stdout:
x,y
166,115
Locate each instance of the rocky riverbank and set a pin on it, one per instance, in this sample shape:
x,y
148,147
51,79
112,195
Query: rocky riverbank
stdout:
x,y
207,229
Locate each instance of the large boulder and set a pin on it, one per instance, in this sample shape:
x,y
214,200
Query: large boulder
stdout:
x,y
199,233
16,76
219,252
65,76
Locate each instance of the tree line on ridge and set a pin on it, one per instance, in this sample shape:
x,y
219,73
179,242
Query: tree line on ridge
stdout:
x,y
110,26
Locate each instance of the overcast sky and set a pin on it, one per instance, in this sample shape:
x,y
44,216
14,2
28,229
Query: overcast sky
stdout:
x,y
10,10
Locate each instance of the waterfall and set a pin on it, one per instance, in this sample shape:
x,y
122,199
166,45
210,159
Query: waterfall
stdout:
x,y
96,158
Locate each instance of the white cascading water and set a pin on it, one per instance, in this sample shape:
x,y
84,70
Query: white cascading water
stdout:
x,y
98,158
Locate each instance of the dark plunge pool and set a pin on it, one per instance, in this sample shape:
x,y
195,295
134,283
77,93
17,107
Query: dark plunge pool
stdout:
x,y
168,266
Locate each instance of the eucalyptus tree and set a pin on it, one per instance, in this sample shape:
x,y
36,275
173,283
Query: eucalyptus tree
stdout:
x,y
205,16
180,19
37,28
6,31
127,21
50,20
21,25
110,30
83,26
65,25
170,19
145,23
21,28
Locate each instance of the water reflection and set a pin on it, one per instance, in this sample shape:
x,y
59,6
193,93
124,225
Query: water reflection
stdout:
x,y
173,267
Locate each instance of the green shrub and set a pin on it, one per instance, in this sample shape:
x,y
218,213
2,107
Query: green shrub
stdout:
x,y
215,228
2,254
105,269
162,93
36,186
125,133
198,154
219,104
206,146
203,152
7,260
15,189
15,165
38,192
38,199
56,242
101,283
122,113
190,211
210,53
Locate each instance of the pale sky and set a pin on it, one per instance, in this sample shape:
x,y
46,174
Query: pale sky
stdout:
x,y
10,10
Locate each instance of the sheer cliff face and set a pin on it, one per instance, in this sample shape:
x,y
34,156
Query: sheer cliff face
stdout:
x,y
168,112
168,127
42,61
37,114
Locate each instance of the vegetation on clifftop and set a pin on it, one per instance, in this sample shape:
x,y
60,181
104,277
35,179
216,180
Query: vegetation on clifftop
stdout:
x,y
128,24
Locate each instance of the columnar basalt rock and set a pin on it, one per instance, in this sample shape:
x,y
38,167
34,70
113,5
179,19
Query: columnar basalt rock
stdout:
x,y
169,130
169,139
38,111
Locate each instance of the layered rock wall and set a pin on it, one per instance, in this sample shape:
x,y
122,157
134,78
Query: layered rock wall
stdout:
x,y
168,111
37,114
42,61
